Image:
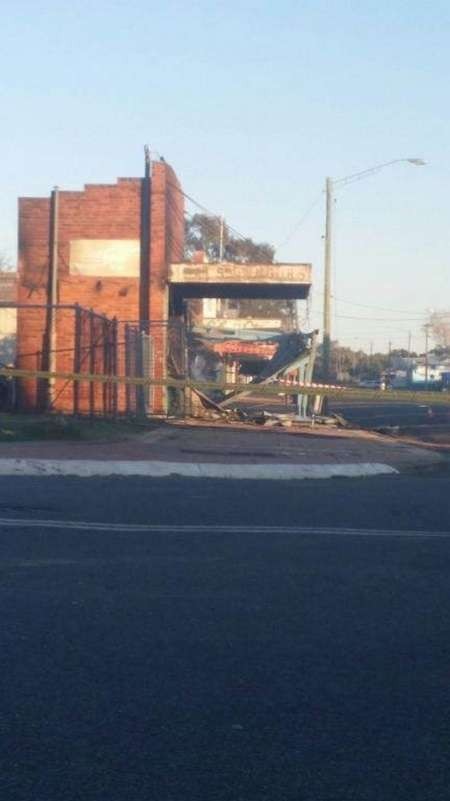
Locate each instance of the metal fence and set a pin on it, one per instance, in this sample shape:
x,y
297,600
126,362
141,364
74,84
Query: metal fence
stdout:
x,y
105,366
86,343
158,353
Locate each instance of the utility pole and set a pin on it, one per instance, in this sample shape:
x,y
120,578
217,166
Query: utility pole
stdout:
x,y
371,349
330,185
52,335
327,279
145,245
409,343
142,355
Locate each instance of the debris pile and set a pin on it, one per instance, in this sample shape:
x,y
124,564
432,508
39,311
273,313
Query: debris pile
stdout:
x,y
291,354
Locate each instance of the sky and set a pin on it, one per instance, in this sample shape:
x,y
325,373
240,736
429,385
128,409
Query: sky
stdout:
x,y
253,104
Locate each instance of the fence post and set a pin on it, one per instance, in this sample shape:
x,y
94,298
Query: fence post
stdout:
x,y
105,370
146,356
91,361
142,371
41,385
77,358
127,366
187,395
114,362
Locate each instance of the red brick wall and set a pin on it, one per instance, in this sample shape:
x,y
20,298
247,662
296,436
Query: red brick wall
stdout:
x,y
167,244
99,212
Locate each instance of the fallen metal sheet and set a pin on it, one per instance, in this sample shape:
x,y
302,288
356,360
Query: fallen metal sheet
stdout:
x,y
292,350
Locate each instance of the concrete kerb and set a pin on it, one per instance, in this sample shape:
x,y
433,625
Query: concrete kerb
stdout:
x,y
174,450
90,468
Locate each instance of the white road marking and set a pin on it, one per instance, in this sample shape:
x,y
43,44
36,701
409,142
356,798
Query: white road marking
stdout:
x,y
142,528
90,468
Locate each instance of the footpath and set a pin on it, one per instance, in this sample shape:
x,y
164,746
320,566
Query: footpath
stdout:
x,y
224,451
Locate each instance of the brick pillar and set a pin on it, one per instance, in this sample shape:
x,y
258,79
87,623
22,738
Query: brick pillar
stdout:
x,y
33,275
158,295
167,242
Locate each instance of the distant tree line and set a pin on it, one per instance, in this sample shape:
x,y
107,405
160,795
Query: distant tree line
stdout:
x,y
357,365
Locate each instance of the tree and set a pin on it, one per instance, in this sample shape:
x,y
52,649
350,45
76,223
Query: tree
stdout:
x,y
202,232
440,328
349,365
441,352
6,264
245,251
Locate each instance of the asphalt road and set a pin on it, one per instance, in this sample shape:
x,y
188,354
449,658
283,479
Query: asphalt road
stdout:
x,y
205,661
385,413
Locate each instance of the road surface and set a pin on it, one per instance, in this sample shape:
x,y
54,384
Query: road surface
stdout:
x,y
370,414
249,642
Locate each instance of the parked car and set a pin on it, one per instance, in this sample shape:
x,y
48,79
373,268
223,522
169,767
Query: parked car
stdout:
x,y
372,383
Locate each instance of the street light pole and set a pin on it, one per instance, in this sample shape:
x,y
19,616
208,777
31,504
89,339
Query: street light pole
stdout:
x,y
330,184
327,279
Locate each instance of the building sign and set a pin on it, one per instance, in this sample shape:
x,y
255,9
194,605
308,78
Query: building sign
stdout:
x,y
228,273
262,350
105,257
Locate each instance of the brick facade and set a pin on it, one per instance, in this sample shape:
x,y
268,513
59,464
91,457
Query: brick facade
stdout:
x,y
99,212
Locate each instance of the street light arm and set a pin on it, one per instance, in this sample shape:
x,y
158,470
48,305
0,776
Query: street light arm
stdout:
x,y
357,175
329,187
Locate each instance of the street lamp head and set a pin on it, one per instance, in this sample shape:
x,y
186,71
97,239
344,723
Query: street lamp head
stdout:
x,y
417,162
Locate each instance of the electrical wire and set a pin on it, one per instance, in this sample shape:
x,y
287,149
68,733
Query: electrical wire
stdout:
x,y
299,224
377,308
205,210
370,306
382,319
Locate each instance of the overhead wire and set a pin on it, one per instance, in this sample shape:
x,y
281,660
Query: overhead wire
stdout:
x,y
381,319
206,210
299,224
377,308
212,228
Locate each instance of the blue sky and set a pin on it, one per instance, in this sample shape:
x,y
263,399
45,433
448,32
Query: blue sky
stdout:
x,y
253,103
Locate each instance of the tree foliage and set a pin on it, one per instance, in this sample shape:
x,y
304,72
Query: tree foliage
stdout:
x,y
440,328
6,264
349,365
203,233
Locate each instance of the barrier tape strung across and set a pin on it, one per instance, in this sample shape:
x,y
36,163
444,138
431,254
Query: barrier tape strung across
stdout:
x,y
274,388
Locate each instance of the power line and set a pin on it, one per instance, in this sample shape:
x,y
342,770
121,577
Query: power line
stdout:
x,y
382,319
370,306
205,210
300,222
378,308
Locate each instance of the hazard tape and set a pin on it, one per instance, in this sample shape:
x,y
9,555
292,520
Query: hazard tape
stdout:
x,y
281,386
